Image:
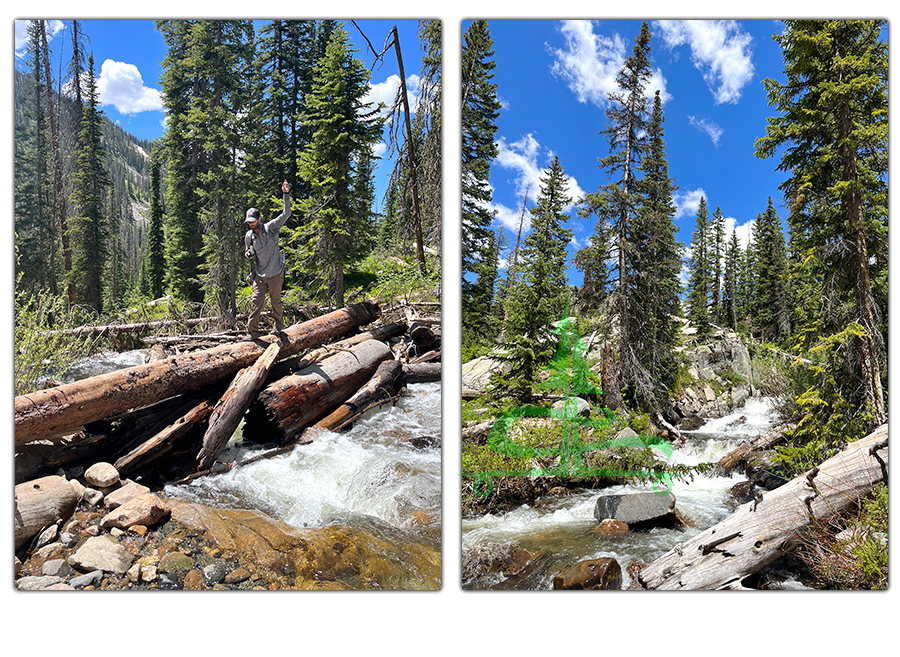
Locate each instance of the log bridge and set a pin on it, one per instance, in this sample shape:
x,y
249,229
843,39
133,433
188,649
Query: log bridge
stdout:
x,y
277,383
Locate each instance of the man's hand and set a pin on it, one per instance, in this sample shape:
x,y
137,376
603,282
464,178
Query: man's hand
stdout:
x,y
285,187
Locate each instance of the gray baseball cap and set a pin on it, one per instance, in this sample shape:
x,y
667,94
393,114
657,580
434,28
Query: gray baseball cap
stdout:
x,y
252,215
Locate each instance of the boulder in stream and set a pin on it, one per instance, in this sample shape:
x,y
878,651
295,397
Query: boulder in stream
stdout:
x,y
603,574
637,509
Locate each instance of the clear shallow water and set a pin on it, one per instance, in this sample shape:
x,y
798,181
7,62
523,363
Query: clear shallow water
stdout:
x,y
560,530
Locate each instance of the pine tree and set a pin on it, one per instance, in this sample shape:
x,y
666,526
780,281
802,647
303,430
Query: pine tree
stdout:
x,y
831,132
89,228
700,272
538,299
155,257
480,109
730,285
717,252
657,267
628,120
770,296
344,128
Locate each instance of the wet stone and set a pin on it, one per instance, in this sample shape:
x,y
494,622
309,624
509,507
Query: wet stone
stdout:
x,y
101,475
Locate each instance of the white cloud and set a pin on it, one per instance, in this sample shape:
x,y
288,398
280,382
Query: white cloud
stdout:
x,y
521,157
589,63
720,50
121,86
688,203
708,127
53,28
386,92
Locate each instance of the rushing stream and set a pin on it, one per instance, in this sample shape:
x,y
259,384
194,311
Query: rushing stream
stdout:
x,y
560,530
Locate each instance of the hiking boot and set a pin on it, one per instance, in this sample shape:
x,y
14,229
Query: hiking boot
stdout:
x,y
253,335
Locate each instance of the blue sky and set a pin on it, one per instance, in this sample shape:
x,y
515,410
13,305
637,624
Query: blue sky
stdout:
x,y
128,56
553,77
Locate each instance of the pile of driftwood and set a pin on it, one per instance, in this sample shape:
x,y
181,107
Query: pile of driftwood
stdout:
x,y
172,416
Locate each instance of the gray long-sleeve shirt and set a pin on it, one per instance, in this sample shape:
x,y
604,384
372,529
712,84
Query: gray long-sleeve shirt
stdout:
x,y
269,260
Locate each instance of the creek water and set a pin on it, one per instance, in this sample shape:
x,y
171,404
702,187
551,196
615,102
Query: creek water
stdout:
x,y
559,530
371,476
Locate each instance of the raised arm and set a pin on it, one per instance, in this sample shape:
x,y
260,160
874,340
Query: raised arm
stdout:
x,y
286,213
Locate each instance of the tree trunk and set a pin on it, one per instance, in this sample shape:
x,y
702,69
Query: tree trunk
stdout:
x,y
609,379
229,410
735,456
40,503
294,402
162,442
383,384
49,414
759,533
422,372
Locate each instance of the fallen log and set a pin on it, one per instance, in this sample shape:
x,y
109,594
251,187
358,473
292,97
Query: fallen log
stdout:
x,y
51,413
291,403
162,442
730,461
382,384
227,414
134,327
765,529
422,372
40,503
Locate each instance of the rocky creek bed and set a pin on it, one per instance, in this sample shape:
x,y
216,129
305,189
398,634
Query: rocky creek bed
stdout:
x,y
119,535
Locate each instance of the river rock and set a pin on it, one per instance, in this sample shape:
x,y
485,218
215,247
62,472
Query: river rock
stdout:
x,y
193,581
38,582
763,470
645,509
609,528
582,407
56,568
146,509
93,578
176,562
102,553
593,575
40,503
489,558
92,497
101,475
742,492
126,493
237,576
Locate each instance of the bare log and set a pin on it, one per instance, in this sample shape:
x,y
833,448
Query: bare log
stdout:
x,y
229,410
48,414
293,402
422,372
730,461
761,531
40,503
382,384
162,442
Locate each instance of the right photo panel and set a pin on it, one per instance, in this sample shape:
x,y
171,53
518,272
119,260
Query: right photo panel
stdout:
x,y
674,304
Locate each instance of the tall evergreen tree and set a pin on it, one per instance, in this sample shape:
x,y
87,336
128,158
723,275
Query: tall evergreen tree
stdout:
x,y
344,129
657,266
538,299
730,289
90,229
480,109
831,133
628,120
771,312
155,236
717,253
700,272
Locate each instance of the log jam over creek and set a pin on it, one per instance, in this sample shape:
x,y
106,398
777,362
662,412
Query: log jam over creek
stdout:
x,y
558,530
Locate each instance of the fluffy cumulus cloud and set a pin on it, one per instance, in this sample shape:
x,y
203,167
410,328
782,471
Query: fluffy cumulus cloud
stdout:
x,y
720,50
588,63
122,86
688,202
709,128
386,92
521,158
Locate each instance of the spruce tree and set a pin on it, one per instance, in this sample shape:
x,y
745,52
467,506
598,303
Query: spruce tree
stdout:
x,y
539,297
730,284
89,229
627,132
771,312
717,252
155,257
480,109
700,272
657,267
344,129
831,134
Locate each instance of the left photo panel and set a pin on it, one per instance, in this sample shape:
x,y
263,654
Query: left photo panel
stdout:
x,y
227,303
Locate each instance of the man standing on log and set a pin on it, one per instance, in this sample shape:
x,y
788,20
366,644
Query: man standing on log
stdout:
x,y
267,263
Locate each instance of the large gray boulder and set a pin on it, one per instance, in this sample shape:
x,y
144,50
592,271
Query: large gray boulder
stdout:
x,y
476,374
636,508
